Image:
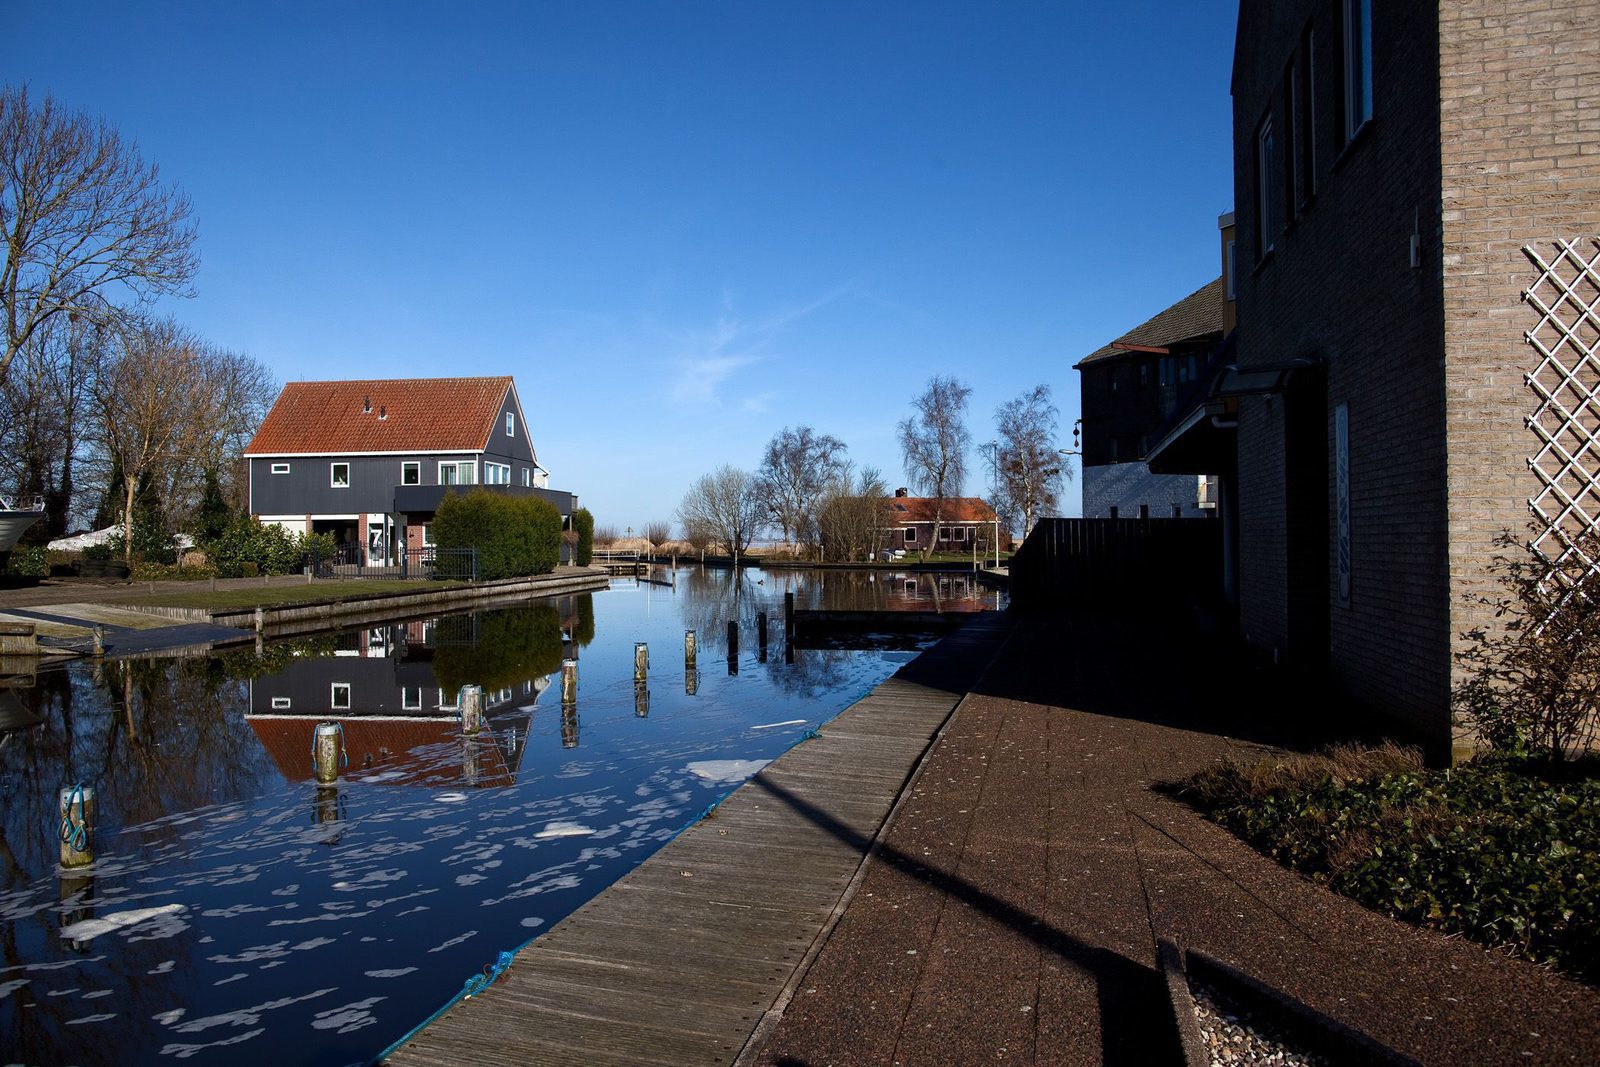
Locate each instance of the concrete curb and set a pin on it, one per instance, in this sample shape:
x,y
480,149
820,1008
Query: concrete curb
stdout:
x,y
1185,1018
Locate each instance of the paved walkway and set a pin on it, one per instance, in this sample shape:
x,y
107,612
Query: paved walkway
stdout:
x,y
1013,910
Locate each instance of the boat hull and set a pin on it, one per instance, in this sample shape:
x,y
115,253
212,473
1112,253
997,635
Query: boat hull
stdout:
x,y
13,524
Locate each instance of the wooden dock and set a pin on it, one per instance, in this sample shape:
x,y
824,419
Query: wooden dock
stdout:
x,y
682,960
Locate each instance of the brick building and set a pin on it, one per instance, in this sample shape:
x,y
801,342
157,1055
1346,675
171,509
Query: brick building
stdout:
x,y
1401,172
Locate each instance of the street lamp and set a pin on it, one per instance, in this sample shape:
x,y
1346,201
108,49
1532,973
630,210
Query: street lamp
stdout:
x,y
1077,448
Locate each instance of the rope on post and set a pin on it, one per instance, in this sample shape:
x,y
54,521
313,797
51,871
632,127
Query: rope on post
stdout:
x,y
344,755
74,832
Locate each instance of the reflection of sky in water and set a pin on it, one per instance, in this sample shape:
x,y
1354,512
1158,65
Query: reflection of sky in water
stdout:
x,y
238,914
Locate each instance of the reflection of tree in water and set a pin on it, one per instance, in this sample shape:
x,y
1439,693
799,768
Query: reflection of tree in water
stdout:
x,y
709,597
154,738
507,646
813,672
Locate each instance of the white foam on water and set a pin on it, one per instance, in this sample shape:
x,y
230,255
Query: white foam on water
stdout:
x,y
183,1052
88,929
396,972
163,967
775,725
455,941
349,1018
92,1019
450,798
564,828
533,922
167,1018
725,771
8,988
244,1016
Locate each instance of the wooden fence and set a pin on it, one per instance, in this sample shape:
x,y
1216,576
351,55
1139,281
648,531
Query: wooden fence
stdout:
x,y
1119,567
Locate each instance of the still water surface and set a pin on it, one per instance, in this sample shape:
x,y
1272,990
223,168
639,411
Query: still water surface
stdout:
x,y
239,914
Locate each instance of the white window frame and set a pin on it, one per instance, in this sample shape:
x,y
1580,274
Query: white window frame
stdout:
x,y
333,475
280,468
1265,232
959,533
411,465
282,703
511,424
1357,66
454,702
411,698
496,473
427,534
333,696
527,477
910,533
458,465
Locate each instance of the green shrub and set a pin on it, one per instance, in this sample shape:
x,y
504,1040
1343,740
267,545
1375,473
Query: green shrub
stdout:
x,y
1500,850
498,649
583,522
247,547
513,536
166,572
98,552
30,562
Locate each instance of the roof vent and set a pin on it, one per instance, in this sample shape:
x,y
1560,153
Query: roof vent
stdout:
x,y
902,491
383,412
366,406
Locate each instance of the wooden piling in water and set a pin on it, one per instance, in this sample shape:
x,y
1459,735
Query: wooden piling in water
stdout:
x,y
689,654
641,701
471,710
691,683
99,641
761,634
569,726
76,823
569,682
733,639
641,662
19,639
325,751
788,615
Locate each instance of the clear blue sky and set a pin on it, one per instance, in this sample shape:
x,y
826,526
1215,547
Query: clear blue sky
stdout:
x,y
681,226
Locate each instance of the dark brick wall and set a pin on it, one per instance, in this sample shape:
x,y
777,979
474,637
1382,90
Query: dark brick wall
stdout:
x,y
1339,288
1520,119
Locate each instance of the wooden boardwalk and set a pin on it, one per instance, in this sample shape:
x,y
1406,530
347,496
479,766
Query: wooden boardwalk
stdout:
x,y
679,962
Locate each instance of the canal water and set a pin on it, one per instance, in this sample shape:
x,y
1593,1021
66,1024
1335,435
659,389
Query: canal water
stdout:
x,y
238,913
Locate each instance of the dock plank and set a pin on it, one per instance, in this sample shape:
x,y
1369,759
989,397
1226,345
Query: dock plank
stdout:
x,y
667,967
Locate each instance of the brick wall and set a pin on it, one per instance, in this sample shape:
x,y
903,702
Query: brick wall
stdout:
x,y
1520,123
1339,288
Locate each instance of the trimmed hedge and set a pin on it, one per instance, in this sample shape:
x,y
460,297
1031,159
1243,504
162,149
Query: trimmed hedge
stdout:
x,y
583,522
500,648
514,536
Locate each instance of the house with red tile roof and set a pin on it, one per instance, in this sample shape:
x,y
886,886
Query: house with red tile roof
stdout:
x,y
369,461
964,521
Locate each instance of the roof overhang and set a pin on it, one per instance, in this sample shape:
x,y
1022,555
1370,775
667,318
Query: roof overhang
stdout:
x,y
1204,440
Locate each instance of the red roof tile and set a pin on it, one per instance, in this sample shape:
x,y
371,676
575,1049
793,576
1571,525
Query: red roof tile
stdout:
x,y
956,509
407,415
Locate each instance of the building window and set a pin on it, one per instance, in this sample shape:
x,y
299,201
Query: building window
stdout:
x,y
527,476
1357,96
911,533
449,701
282,703
411,698
960,533
339,698
511,424
1113,450
1291,136
1265,150
427,534
1306,119
411,473
458,472
339,475
496,473
1144,374
280,468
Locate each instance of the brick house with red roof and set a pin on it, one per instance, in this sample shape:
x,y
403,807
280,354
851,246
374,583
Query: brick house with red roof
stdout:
x,y
368,461
963,522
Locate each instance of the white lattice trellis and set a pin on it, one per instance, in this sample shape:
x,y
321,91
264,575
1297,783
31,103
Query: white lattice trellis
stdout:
x,y
1567,419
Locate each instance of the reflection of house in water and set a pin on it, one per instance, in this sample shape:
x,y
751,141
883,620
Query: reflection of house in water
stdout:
x,y
947,591
400,724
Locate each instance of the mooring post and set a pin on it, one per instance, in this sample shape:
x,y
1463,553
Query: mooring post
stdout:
x,y
260,620
99,640
688,651
569,682
641,701
76,807
569,726
761,629
733,639
471,709
326,750
691,683
325,808
788,616
641,662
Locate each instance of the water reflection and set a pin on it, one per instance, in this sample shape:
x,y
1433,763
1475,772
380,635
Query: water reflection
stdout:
x,y
237,910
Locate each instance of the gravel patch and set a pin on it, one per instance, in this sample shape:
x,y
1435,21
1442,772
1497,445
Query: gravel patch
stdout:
x,y
1234,1036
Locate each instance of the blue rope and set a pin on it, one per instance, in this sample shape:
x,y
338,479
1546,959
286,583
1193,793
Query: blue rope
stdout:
x,y
74,832
470,988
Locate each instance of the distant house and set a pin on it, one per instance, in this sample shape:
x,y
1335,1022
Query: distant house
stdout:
x,y
965,520
369,461
1130,389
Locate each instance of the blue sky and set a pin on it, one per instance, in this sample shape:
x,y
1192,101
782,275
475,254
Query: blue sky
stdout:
x,y
681,226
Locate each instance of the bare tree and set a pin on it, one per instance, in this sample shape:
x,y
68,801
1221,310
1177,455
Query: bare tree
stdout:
x,y
88,224
152,399
1025,470
724,506
605,536
44,403
933,445
658,531
798,465
853,515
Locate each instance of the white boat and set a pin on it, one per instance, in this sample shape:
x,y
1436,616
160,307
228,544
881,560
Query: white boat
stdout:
x,y
14,521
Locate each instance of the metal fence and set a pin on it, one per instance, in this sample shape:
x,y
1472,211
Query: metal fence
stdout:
x,y
357,561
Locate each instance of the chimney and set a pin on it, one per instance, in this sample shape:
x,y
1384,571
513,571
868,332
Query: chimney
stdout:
x,y
902,491
1230,284
383,412
366,406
